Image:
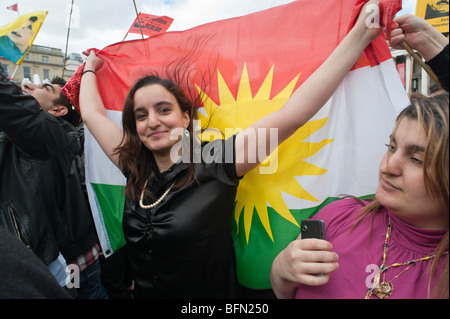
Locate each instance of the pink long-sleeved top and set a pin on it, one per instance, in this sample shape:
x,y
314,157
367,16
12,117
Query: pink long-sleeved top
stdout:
x,y
360,253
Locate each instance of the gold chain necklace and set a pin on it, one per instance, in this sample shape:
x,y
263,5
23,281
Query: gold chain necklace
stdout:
x,y
141,200
385,289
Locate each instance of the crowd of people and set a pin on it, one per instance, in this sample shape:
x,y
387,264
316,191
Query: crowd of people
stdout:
x,y
175,247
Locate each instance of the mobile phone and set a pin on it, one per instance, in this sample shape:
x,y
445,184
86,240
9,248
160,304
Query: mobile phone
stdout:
x,y
313,229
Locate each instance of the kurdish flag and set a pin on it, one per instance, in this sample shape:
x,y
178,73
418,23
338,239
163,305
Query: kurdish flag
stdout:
x,y
256,62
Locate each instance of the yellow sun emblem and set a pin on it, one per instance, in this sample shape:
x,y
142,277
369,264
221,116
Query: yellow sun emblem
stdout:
x,y
256,190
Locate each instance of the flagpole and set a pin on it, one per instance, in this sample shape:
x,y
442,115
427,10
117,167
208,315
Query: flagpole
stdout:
x,y
14,73
139,21
67,40
422,64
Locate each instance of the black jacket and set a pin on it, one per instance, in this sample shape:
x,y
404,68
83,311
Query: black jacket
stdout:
x,y
440,65
36,156
78,224
24,276
183,247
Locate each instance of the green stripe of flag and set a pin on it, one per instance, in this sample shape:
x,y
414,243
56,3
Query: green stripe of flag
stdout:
x,y
254,260
112,202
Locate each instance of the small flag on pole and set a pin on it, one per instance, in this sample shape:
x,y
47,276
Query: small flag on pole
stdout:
x,y
150,24
14,7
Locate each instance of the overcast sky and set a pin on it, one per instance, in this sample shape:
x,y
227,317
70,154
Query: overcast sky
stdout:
x,y
99,23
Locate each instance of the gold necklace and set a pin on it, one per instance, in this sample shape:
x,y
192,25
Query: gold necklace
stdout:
x,y
385,289
141,201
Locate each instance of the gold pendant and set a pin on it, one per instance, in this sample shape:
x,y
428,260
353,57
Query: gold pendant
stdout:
x,y
385,291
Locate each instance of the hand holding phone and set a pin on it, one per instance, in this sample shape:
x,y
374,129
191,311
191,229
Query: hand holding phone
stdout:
x,y
306,262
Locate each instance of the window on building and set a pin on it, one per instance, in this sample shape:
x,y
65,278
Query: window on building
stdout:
x,y
415,85
6,68
27,72
45,59
27,57
46,74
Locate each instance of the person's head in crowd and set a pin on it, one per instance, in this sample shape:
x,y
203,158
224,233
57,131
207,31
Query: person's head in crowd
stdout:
x,y
416,96
436,90
53,101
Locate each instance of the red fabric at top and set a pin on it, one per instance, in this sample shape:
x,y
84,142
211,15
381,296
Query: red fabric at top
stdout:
x,y
388,9
294,39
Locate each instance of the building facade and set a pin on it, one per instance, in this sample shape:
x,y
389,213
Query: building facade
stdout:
x,y
42,63
414,78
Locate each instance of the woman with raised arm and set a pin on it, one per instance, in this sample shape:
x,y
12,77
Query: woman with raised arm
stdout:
x,y
177,221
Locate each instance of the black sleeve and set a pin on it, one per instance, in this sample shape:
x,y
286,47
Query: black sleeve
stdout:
x,y
24,276
219,156
439,64
35,132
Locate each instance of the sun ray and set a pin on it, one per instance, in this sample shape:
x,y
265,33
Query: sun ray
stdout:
x,y
208,104
296,190
225,96
264,92
263,214
248,216
278,204
238,210
245,91
310,128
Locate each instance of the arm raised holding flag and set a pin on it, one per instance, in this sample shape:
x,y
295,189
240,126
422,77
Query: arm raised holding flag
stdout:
x,y
179,194
316,90
427,40
300,108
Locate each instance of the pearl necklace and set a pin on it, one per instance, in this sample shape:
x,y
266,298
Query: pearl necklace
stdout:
x,y
141,201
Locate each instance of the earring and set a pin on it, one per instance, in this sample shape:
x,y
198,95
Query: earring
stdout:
x,y
186,147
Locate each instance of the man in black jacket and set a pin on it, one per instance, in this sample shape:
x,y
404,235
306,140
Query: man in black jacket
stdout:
x,y
80,247
29,139
42,201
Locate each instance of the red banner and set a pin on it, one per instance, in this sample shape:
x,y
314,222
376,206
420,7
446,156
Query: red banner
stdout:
x,y
150,24
258,40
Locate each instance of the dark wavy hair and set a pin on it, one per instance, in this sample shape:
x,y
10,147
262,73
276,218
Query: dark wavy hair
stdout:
x,y
134,157
177,78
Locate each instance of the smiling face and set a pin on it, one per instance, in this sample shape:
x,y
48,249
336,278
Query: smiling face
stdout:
x,y
158,115
401,186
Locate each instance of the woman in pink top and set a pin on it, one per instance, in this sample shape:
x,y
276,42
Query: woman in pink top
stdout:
x,y
395,246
